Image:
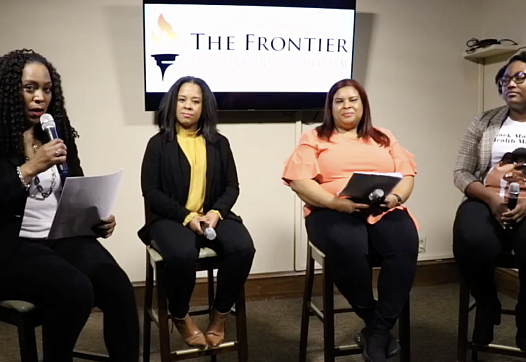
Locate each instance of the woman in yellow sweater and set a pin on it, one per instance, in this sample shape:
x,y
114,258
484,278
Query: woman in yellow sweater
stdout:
x,y
189,180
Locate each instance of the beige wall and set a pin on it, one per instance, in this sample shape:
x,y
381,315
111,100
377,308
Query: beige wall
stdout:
x,y
408,54
509,13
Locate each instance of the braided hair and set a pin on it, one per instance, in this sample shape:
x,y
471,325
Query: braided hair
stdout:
x,y
13,122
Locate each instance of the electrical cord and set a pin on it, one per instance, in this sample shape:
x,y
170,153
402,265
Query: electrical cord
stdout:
x,y
474,44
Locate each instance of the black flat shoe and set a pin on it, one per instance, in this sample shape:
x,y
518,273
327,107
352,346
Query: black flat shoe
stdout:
x,y
393,347
373,345
487,317
520,339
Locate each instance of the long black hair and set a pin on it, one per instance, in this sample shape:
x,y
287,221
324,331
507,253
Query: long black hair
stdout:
x,y
207,124
13,122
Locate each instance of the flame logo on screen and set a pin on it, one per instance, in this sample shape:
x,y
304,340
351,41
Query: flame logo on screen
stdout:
x,y
165,34
165,31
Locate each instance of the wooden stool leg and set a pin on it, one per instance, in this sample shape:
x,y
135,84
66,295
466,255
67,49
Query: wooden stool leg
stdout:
x,y
404,325
241,327
211,293
463,321
305,313
162,303
27,341
328,315
211,297
147,328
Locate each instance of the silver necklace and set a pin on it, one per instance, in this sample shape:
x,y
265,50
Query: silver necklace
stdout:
x,y
40,189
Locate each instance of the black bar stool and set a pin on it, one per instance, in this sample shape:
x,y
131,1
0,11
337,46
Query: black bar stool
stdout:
x,y
26,317
505,260
326,316
208,260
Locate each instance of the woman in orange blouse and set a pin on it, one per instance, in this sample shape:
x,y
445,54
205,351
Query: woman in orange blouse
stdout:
x,y
348,232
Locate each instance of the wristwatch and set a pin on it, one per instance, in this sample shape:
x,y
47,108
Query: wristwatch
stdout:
x,y
398,198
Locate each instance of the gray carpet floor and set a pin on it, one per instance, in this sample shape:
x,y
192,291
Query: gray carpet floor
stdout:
x,y
273,331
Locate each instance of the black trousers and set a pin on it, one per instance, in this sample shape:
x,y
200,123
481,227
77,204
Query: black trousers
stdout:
x,y
180,246
350,244
67,278
477,240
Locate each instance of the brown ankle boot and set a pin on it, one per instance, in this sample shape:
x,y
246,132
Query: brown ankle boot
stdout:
x,y
190,332
215,334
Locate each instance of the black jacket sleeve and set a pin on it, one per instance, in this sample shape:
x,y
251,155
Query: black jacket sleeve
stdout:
x,y
231,191
13,191
10,184
155,197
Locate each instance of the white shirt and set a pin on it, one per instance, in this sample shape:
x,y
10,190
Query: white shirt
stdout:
x,y
512,135
40,211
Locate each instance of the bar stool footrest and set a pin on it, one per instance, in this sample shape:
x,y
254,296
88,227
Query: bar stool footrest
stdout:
x,y
347,350
91,356
498,349
191,353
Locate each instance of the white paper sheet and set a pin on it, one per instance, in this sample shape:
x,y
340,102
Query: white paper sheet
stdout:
x,y
83,203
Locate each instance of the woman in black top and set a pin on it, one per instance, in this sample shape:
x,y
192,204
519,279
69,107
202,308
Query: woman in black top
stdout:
x,y
65,277
189,180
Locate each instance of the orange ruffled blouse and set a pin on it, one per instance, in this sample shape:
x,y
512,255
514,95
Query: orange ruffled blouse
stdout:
x,y
332,163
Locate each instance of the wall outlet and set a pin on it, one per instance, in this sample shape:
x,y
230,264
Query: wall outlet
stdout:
x,y
422,244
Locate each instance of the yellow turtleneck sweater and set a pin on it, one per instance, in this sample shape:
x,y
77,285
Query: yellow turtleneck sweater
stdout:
x,y
194,148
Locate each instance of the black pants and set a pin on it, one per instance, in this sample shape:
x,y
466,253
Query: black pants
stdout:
x,y
67,278
349,243
477,240
180,246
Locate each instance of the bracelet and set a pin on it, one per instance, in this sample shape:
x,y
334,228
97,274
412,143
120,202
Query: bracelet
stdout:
x,y
398,198
21,177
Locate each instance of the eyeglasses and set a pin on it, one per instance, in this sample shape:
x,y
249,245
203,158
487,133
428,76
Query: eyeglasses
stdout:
x,y
518,78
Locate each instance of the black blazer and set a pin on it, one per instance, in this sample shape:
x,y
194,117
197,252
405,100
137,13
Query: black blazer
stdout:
x,y
13,197
165,181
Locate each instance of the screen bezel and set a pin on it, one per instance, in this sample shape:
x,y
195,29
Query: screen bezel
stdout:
x,y
267,101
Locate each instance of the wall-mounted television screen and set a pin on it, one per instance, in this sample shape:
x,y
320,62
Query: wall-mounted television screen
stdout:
x,y
255,55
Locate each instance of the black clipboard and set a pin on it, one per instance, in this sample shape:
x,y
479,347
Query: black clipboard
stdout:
x,y
362,184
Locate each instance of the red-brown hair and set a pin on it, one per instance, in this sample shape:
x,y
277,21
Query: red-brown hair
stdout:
x,y
365,127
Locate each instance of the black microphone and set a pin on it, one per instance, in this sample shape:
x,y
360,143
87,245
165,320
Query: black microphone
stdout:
x,y
48,126
377,196
513,195
208,232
